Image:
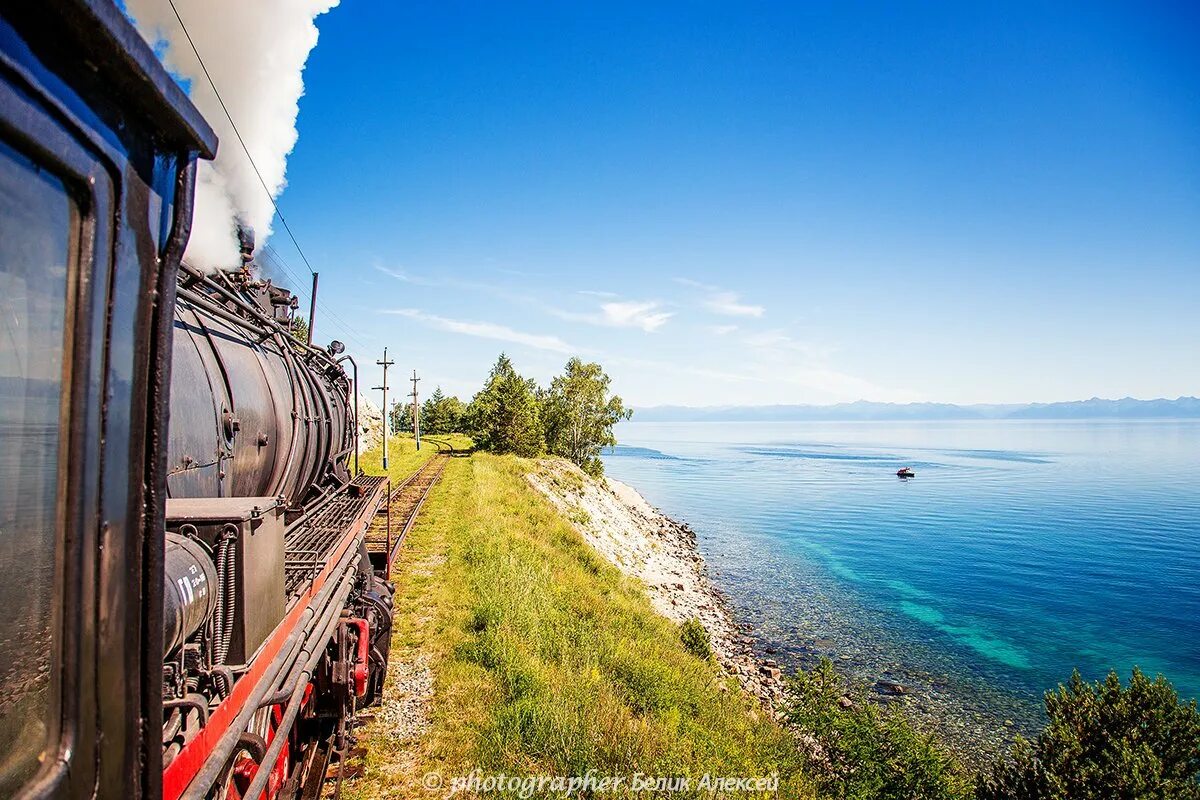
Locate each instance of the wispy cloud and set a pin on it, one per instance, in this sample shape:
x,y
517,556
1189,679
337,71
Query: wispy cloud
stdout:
x,y
767,339
597,293
722,301
818,383
484,330
401,275
729,304
643,314
778,343
677,368
437,282
633,314
723,330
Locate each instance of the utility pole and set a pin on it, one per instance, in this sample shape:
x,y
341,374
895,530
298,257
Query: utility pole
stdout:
x,y
387,422
416,411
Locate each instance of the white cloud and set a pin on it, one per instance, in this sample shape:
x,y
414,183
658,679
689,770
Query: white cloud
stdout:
x,y
485,330
779,345
434,282
633,314
723,301
676,368
643,314
777,382
696,284
723,330
767,339
395,273
729,304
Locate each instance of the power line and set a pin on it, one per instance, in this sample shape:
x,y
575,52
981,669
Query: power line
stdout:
x,y
277,259
387,417
238,133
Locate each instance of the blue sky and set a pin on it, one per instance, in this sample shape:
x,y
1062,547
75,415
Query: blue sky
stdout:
x,y
760,203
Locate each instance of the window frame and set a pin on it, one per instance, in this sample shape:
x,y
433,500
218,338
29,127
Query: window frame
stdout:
x,y
36,133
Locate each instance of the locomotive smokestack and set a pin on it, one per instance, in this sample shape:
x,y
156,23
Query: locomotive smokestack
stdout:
x,y
245,236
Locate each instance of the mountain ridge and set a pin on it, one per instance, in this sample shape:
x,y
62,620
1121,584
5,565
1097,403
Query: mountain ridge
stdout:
x,y
1185,407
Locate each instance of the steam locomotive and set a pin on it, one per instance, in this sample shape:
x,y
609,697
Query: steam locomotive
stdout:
x,y
192,606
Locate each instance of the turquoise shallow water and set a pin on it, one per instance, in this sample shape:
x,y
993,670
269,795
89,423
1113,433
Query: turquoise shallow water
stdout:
x,y
1020,550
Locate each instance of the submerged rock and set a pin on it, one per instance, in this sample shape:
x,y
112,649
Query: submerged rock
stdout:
x,y
885,686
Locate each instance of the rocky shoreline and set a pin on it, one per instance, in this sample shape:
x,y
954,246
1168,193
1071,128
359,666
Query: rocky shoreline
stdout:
x,y
644,543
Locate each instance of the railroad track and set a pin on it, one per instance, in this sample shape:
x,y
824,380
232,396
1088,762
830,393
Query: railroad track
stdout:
x,y
393,522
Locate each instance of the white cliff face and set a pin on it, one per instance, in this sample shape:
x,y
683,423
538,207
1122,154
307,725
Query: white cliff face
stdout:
x,y
370,424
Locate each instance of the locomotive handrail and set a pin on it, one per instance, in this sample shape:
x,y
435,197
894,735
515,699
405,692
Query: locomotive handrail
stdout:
x,y
292,710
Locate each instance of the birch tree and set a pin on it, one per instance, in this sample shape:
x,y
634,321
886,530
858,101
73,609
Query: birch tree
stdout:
x,y
578,415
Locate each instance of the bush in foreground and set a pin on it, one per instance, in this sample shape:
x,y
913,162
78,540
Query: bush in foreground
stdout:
x,y
696,639
860,751
1106,741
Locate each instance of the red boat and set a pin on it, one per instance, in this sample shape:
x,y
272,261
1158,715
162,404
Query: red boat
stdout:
x,y
905,472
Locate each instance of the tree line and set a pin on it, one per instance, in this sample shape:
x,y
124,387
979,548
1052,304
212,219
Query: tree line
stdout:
x,y
573,417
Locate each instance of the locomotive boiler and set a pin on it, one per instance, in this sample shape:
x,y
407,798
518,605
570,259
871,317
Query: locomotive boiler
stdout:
x,y
193,605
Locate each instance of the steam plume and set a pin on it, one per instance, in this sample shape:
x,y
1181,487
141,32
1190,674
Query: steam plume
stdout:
x,y
255,52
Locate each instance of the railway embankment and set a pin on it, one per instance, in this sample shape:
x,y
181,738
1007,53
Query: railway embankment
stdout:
x,y
523,647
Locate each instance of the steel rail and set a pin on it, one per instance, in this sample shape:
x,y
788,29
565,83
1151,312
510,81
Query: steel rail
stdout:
x,y
442,459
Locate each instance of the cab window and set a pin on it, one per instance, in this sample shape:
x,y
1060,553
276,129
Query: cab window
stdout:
x,y
37,217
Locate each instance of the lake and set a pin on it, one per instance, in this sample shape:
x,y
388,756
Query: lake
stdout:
x,y
1018,552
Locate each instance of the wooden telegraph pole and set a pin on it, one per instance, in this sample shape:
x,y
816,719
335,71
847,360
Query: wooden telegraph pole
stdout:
x,y
416,411
387,422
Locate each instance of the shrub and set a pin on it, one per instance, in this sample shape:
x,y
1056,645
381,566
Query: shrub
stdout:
x,y
1104,741
695,639
863,752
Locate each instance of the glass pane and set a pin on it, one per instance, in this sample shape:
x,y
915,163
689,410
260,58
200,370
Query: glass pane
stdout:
x,y
35,225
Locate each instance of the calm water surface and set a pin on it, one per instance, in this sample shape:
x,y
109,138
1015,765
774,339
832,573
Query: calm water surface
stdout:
x,y
1020,550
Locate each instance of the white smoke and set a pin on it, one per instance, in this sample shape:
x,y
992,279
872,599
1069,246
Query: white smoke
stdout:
x,y
255,52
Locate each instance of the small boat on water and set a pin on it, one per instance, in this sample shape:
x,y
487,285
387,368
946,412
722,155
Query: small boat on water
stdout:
x,y
905,472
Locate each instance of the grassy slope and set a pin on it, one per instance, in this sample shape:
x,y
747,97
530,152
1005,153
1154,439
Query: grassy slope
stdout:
x,y
546,660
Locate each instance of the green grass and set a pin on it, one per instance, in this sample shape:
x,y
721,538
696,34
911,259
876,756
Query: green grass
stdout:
x,y
403,456
545,659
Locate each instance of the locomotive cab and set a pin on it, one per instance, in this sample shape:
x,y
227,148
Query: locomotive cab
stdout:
x,y
98,149
184,548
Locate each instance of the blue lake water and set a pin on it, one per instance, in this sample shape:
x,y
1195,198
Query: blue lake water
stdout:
x,y
1020,551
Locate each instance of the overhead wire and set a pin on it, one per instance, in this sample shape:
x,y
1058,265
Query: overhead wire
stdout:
x,y
275,259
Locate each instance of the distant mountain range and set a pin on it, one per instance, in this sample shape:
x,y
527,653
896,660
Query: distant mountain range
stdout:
x,y
1096,408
